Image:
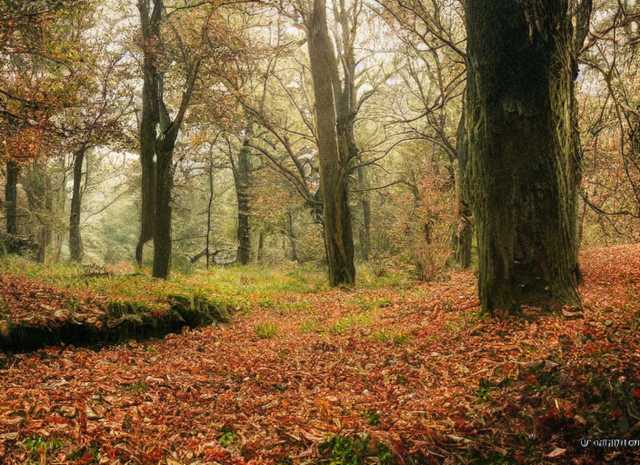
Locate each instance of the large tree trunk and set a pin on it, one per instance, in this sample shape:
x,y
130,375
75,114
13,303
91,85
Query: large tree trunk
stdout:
x,y
148,127
464,229
338,234
157,211
150,22
162,223
147,204
242,179
523,154
75,238
11,197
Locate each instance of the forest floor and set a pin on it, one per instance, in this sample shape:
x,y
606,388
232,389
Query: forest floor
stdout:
x,y
404,373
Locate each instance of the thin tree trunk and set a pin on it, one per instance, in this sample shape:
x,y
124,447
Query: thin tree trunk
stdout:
x,y
464,229
260,254
523,154
209,211
11,197
365,206
47,234
243,180
293,248
75,238
338,233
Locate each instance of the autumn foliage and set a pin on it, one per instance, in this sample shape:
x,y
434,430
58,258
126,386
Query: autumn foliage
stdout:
x,y
418,371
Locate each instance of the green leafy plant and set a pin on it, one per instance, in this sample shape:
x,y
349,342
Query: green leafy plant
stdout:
x,y
373,417
266,330
227,436
356,450
39,445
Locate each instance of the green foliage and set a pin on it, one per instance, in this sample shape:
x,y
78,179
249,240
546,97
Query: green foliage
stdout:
x,y
227,436
484,388
138,387
373,417
349,322
386,336
371,304
311,325
266,330
37,445
357,450
370,276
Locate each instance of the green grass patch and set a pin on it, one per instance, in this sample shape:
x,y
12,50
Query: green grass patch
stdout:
x,y
227,437
386,336
349,322
367,304
356,450
266,330
311,325
373,417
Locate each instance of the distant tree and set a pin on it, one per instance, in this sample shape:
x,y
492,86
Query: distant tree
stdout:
x,y
40,48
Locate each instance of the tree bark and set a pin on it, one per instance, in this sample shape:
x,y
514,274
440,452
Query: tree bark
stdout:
x,y
464,229
163,211
11,197
524,161
150,22
209,208
260,254
291,236
365,206
75,238
338,234
38,188
156,149
242,180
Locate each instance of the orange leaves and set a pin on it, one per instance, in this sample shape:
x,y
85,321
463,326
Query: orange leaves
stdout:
x,y
24,144
456,383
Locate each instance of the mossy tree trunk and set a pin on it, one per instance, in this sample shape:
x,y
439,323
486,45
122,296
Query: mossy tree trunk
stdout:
x,y
242,178
75,237
150,24
463,235
37,185
524,161
158,136
163,211
11,197
291,237
338,234
365,205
